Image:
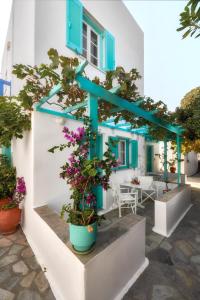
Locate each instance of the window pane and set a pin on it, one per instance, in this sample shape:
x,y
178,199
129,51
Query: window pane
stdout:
x,y
122,152
94,50
84,29
84,43
94,60
94,38
84,53
84,40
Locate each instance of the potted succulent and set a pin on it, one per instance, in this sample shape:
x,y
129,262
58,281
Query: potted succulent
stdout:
x,y
83,174
12,192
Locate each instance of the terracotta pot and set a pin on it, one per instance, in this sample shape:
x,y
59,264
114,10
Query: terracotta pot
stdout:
x,y
4,201
173,169
9,220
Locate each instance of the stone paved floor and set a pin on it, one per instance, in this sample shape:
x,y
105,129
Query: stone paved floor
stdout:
x,y
174,269
21,277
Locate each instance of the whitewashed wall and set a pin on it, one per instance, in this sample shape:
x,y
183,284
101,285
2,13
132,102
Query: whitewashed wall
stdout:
x,y
191,163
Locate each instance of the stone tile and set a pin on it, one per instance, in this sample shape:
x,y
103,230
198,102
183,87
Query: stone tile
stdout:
x,y
22,241
20,267
41,282
195,259
4,275
12,282
184,247
6,295
197,239
27,252
165,293
15,249
3,251
28,295
166,245
49,295
28,279
32,263
8,260
4,242
185,277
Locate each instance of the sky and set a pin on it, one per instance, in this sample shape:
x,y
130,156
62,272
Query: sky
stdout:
x,y
172,65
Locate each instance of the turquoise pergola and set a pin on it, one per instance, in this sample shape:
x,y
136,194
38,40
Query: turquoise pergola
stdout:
x,y
96,92
5,150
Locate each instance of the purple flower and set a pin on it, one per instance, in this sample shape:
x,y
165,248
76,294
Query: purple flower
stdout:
x,y
21,187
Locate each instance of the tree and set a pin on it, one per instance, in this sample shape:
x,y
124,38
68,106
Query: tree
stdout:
x,y
188,116
190,19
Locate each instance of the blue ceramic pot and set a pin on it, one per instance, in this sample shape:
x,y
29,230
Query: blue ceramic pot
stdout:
x,y
82,237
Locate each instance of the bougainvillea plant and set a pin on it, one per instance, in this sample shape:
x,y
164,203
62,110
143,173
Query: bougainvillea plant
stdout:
x,y
16,200
84,174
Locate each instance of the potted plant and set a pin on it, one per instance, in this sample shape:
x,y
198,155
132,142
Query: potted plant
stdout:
x,y
172,167
12,192
7,180
84,174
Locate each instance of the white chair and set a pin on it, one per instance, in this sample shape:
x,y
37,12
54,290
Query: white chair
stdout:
x,y
148,189
126,197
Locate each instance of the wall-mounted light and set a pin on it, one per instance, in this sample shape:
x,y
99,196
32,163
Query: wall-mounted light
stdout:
x,y
60,121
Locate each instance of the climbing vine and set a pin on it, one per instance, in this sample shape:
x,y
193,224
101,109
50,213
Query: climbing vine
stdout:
x,y
39,81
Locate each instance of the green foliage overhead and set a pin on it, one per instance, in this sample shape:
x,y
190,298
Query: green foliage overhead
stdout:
x,y
190,19
13,120
7,178
188,115
39,80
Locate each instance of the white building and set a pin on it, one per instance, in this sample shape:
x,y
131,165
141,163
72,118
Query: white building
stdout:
x,y
35,27
107,35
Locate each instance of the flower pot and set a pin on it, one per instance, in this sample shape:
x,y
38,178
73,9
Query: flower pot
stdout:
x,y
83,238
173,169
9,220
4,201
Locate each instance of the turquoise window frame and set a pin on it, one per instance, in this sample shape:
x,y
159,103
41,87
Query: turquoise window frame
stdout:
x,y
127,141
100,31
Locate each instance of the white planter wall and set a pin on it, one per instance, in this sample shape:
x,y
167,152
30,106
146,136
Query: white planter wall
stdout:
x,y
170,210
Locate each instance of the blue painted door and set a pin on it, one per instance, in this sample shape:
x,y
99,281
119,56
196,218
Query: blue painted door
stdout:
x,y
149,157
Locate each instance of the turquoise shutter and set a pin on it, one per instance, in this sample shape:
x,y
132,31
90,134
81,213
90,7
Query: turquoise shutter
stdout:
x,y
127,152
112,142
109,51
7,152
134,154
74,25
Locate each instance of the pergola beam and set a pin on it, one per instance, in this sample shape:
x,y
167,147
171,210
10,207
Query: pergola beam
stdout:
x,y
75,107
97,90
58,87
118,109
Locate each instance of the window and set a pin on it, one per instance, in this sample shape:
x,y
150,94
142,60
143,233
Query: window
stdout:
x,y
122,152
87,37
90,44
125,150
